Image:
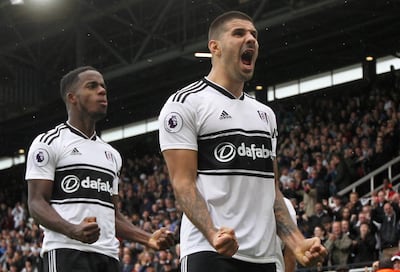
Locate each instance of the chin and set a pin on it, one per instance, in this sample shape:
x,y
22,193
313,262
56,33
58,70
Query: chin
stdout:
x,y
247,77
99,115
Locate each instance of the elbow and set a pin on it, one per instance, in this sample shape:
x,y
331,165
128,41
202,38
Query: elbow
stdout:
x,y
34,210
180,187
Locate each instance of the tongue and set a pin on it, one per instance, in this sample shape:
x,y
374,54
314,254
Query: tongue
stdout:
x,y
246,61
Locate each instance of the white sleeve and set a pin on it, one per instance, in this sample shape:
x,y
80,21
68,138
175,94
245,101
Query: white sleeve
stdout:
x,y
41,161
291,210
118,162
274,132
177,126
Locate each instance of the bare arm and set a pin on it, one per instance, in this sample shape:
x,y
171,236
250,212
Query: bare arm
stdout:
x,y
39,194
160,239
287,230
289,259
182,167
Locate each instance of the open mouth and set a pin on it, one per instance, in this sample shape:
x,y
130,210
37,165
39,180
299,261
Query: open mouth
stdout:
x,y
247,57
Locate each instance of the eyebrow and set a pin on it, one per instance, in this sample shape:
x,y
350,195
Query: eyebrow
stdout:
x,y
103,84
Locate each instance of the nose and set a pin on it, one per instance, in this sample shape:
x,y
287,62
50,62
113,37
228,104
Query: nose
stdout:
x,y
251,38
102,90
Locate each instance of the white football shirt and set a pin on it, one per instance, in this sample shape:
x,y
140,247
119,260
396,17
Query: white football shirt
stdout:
x,y
85,175
236,142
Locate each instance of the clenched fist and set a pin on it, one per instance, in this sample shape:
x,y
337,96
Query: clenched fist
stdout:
x,y
161,239
225,242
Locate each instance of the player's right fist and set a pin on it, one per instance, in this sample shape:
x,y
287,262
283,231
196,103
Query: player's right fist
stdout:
x,y
225,242
87,231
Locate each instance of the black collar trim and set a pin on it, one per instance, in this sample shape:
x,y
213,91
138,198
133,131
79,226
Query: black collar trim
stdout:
x,y
222,90
79,133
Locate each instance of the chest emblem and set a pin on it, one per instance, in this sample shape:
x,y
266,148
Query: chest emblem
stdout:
x,y
75,151
109,155
224,115
263,116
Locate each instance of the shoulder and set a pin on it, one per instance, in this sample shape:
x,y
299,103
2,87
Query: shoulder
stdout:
x,y
53,134
188,92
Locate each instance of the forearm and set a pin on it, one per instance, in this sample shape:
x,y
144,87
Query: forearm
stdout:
x,y
290,260
182,167
45,215
126,230
194,206
286,229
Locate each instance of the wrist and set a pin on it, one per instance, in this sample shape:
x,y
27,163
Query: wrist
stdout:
x,y
210,235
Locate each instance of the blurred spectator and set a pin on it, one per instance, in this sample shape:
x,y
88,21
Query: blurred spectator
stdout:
x,y
355,206
126,264
337,208
319,181
385,265
285,178
316,219
338,245
309,198
342,177
363,218
28,267
18,213
387,189
293,191
364,245
396,261
377,212
389,232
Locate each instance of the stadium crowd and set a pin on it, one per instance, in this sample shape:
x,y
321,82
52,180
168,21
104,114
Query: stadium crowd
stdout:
x,y
325,144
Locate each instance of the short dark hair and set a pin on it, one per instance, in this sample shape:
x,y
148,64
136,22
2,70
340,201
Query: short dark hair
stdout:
x,y
385,263
218,23
68,80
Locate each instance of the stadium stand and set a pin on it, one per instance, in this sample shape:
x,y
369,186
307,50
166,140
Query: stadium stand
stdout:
x,y
343,133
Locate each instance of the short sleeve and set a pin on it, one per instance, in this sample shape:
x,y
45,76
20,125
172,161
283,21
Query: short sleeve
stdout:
x,y
40,161
177,126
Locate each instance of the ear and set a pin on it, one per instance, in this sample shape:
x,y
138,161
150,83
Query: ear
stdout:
x,y
214,47
71,98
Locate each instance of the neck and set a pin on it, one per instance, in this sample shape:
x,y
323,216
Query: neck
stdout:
x,y
87,127
233,86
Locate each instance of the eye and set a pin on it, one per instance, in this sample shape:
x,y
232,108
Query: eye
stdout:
x,y
92,85
238,32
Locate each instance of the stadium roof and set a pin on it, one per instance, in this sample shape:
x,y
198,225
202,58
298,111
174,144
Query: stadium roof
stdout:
x,y
145,49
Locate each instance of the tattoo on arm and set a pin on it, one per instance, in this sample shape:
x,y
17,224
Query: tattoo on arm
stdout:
x,y
196,210
284,223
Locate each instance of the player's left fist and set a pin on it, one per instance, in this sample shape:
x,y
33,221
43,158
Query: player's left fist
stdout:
x,y
161,239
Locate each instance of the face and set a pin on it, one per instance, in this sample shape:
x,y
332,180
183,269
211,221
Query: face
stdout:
x,y
336,228
396,264
90,96
318,232
237,49
364,229
345,226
